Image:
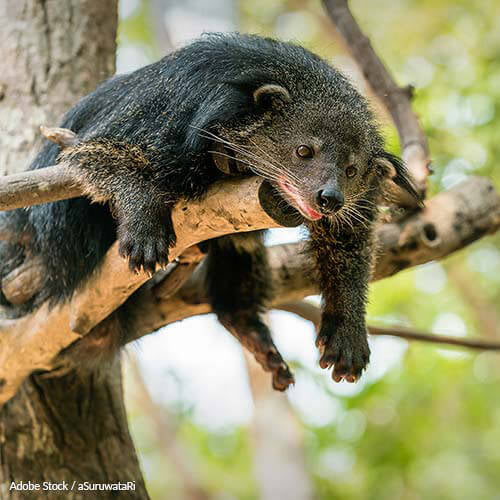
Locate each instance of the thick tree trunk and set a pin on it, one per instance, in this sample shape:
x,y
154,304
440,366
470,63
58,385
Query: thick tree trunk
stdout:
x,y
59,432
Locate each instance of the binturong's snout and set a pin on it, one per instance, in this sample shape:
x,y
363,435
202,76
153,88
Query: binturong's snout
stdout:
x,y
329,199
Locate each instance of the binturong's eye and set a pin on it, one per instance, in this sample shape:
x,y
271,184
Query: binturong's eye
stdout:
x,y
304,151
351,171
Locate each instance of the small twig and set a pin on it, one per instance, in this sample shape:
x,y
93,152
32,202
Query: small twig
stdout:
x,y
396,99
312,313
34,187
409,334
63,137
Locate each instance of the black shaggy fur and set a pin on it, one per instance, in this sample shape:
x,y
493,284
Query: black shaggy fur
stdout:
x,y
150,137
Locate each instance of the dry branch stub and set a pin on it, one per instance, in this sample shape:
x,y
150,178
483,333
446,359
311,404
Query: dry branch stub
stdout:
x,y
38,186
63,137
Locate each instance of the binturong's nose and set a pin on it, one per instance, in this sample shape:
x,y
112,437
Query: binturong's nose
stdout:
x,y
329,199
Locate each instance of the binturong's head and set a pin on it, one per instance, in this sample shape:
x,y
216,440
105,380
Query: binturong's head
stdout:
x,y
300,124
323,153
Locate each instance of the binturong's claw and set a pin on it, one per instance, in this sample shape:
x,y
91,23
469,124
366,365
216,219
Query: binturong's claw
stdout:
x,y
343,346
256,337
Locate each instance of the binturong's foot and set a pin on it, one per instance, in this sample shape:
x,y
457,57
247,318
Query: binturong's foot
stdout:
x,y
343,346
256,337
145,245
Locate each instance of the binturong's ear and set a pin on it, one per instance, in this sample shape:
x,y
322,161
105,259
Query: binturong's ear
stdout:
x,y
393,167
271,96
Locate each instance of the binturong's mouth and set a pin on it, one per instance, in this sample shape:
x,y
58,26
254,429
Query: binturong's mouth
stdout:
x,y
293,196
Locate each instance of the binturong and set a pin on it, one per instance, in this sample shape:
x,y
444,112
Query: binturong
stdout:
x,y
226,105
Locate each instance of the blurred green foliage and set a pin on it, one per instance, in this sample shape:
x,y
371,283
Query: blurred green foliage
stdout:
x,y
430,427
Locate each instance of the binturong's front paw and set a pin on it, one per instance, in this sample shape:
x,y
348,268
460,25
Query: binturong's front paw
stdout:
x,y
145,245
344,346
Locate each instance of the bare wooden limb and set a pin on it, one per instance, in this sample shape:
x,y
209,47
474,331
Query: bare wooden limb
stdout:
x,y
38,186
450,221
312,313
180,274
230,207
396,99
459,217
32,341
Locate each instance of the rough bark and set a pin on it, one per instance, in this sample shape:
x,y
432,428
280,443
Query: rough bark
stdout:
x,y
52,53
70,428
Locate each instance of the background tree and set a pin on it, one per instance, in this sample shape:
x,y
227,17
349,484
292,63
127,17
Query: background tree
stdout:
x,y
70,428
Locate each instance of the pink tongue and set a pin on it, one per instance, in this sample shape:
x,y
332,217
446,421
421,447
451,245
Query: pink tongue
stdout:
x,y
312,213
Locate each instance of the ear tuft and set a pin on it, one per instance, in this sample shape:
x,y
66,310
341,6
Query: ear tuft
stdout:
x,y
394,168
271,95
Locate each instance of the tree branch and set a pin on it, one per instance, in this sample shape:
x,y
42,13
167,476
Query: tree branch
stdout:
x,y
409,334
450,221
34,187
229,207
396,99
312,313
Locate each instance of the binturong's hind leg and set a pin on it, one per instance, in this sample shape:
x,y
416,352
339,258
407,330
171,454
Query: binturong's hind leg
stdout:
x,y
238,284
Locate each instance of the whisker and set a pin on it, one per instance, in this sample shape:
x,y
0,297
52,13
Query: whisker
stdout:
x,y
360,218
342,218
240,149
246,162
273,159
245,151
